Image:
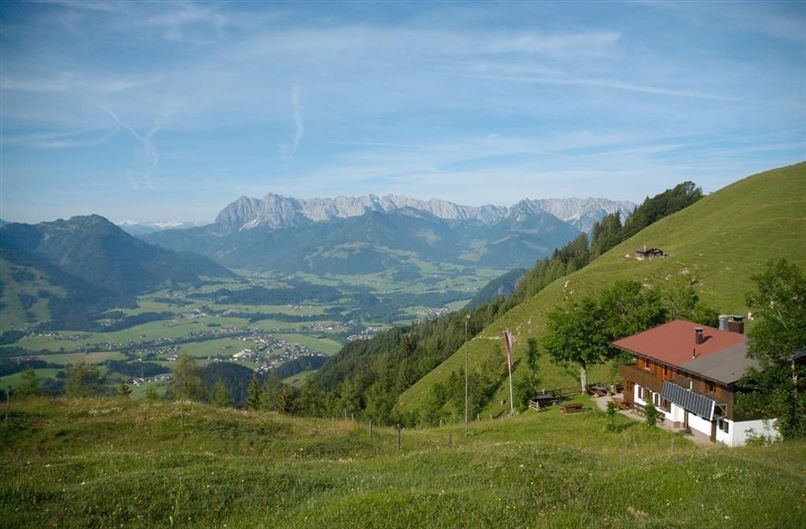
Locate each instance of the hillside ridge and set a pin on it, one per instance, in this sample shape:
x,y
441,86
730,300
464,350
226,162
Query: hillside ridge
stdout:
x,y
719,242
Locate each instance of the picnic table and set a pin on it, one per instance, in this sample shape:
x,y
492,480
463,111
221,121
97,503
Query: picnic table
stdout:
x,y
541,400
598,390
622,404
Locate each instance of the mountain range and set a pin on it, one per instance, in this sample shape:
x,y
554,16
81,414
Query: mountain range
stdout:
x,y
276,211
87,263
370,234
133,227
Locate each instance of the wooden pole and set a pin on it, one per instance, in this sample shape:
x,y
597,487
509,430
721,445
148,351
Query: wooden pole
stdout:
x,y
509,367
467,320
370,428
398,437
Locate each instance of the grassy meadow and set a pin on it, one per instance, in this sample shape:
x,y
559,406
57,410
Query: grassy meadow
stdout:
x,y
112,463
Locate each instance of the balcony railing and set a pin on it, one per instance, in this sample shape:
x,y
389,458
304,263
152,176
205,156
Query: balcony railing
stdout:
x,y
642,377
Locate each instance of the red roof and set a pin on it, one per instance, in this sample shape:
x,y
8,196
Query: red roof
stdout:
x,y
672,343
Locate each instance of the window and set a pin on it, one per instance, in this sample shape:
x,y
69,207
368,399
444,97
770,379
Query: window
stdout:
x,y
711,387
724,425
665,371
656,399
666,405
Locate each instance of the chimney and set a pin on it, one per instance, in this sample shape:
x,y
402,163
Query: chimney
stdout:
x,y
736,324
723,322
698,336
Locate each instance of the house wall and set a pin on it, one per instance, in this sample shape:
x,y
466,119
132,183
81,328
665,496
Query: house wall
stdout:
x,y
677,414
659,372
698,423
654,397
740,431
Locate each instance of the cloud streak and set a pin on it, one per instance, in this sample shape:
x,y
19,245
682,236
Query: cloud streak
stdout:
x,y
299,125
151,156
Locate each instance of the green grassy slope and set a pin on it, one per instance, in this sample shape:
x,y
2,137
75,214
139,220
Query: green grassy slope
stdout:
x,y
107,463
722,240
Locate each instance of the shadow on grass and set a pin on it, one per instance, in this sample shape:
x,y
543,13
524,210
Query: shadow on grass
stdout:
x,y
623,427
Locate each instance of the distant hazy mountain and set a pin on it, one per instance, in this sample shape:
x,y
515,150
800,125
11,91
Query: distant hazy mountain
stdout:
x,y
583,213
276,211
96,251
379,241
3,222
141,228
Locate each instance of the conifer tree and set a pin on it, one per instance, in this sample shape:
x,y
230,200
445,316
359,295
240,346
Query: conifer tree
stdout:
x,y
254,395
220,396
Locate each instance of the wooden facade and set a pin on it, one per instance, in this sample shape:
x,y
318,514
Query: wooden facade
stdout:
x,y
650,374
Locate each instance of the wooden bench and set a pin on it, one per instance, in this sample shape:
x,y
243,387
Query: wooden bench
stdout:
x,y
572,408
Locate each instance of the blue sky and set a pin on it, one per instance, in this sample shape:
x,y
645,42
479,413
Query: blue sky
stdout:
x,y
169,111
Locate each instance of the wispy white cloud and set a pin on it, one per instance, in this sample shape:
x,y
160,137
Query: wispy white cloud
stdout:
x,y
608,83
86,5
55,141
150,154
581,43
299,126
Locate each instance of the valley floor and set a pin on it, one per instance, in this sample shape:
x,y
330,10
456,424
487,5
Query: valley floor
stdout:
x,y
121,463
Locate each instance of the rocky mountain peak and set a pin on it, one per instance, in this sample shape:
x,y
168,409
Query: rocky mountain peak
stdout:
x,y
276,211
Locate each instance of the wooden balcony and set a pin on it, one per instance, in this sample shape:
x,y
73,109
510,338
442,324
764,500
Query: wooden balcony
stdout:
x,y
642,377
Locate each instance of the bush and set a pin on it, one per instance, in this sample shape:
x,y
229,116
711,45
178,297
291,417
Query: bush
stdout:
x,y
612,410
652,415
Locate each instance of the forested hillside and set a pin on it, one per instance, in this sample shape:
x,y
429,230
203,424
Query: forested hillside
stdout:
x,y
714,246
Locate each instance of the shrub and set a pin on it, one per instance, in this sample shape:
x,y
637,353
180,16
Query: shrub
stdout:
x,y
652,415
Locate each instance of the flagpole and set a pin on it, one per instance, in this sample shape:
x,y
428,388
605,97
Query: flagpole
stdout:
x,y
511,399
508,344
467,320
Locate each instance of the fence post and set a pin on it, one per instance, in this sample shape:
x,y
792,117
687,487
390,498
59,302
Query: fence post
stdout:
x,y
370,428
398,437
